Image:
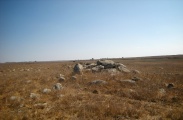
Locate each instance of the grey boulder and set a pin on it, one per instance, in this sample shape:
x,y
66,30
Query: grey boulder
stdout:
x,y
78,68
106,63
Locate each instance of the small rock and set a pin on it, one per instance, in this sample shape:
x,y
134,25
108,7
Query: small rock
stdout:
x,y
61,79
135,71
162,91
97,82
132,91
170,85
46,91
40,105
13,98
61,75
57,86
34,96
74,77
136,79
129,81
60,96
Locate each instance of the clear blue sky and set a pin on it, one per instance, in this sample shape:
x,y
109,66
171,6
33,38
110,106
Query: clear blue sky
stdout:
x,y
83,29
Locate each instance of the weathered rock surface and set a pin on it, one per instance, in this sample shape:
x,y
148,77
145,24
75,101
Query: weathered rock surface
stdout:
x,y
13,98
97,68
78,68
40,105
112,71
97,82
90,65
61,79
57,86
119,64
135,71
46,91
106,63
74,78
34,96
123,69
128,80
61,75
170,85
136,79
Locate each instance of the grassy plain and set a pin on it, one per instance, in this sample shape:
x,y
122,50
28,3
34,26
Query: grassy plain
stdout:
x,y
147,99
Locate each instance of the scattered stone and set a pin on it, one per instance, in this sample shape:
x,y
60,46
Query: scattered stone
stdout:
x,y
170,85
13,98
34,96
162,91
129,81
123,69
135,71
61,79
74,77
46,91
41,105
61,75
60,96
78,68
132,91
97,82
136,79
57,86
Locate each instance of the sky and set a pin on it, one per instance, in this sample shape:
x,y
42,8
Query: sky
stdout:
x,y
46,30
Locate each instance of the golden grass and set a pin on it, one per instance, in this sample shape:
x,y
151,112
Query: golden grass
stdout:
x,y
147,99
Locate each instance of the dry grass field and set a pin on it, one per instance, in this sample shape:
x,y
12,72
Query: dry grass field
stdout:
x,y
149,98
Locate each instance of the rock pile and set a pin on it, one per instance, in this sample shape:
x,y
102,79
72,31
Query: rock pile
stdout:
x,y
100,66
